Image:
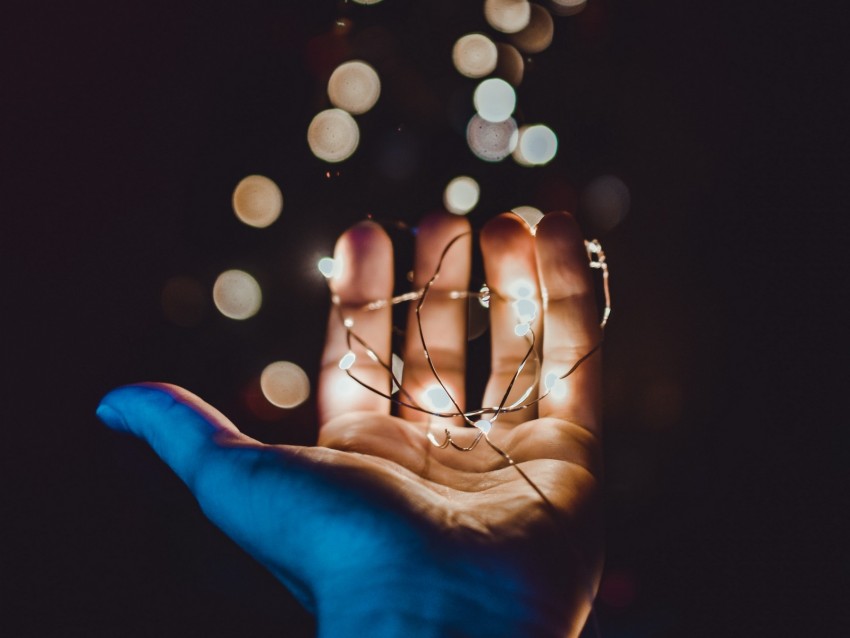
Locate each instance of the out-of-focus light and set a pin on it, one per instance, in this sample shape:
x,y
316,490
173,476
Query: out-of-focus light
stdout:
x,y
237,294
495,100
328,267
347,361
484,425
285,384
491,141
507,16
461,195
511,66
537,145
437,398
529,214
475,55
183,301
257,201
354,87
367,1
567,7
333,135
606,201
538,33
397,367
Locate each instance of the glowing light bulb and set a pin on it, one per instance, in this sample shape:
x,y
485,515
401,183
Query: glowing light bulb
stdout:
x,y
526,310
521,289
555,385
438,398
475,55
333,135
491,141
285,384
484,425
354,87
237,294
328,267
257,201
347,360
461,195
522,329
507,16
495,100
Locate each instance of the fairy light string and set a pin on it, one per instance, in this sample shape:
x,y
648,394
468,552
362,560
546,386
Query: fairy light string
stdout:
x,y
485,417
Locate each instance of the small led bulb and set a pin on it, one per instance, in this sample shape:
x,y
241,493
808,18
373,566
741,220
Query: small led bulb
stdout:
x,y
327,266
522,329
484,425
347,361
438,398
348,322
555,385
526,310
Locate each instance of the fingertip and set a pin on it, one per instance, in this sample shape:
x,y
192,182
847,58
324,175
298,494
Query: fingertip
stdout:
x,y
364,253
560,223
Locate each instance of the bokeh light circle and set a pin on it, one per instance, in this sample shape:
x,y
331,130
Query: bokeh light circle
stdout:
x,y
475,55
491,141
507,16
237,294
494,99
354,87
461,195
529,214
537,145
538,34
511,66
257,201
333,135
285,384
568,7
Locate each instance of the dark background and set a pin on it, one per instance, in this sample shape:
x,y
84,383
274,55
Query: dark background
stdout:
x,y
125,127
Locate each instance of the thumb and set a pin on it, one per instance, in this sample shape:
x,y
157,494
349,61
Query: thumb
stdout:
x,y
249,490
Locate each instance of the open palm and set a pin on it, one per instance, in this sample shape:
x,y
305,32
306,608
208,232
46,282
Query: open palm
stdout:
x,y
376,530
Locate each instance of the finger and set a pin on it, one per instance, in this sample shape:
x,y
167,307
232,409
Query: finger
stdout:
x,y
245,488
571,323
364,274
443,319
511,272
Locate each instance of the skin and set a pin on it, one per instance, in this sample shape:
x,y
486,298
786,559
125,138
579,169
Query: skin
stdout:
x,y
377,531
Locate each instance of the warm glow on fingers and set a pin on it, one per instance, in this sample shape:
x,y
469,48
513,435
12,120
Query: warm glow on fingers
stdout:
x,y
475,55
237,294
333,135
461,195
354,87
285,384
507,16
257,201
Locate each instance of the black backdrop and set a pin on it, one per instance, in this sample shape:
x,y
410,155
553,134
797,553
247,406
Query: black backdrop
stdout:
x,y
126,126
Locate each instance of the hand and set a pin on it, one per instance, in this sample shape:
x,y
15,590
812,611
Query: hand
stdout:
x,y
376,530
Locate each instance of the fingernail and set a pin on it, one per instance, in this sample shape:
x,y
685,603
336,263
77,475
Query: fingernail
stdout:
x,y
111,417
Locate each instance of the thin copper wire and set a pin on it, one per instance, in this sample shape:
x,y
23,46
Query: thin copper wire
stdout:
x,y
596,259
